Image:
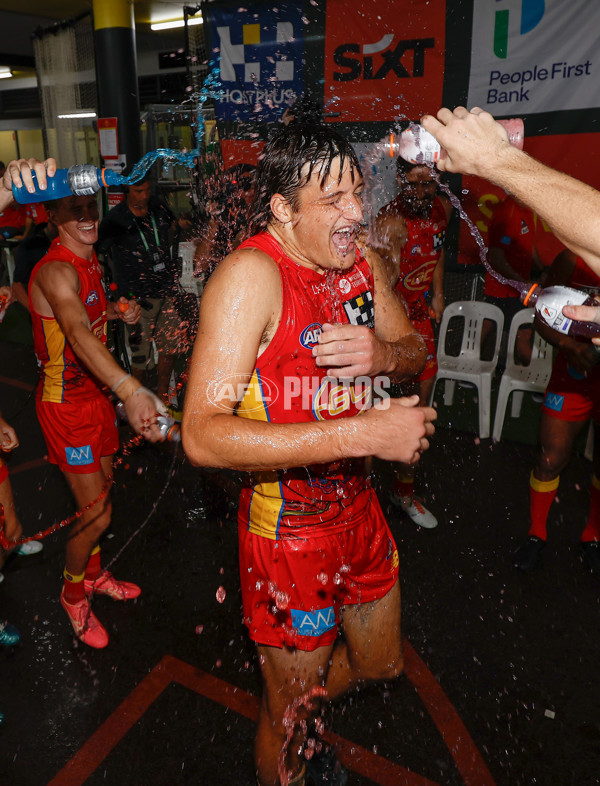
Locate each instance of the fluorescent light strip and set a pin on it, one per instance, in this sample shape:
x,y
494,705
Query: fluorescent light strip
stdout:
x,y
196,20
5,74
76,115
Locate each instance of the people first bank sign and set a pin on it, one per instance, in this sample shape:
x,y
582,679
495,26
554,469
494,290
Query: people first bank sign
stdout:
x,y
535,56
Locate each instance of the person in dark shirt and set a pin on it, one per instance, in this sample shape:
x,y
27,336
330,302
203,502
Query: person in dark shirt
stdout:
x,y
137,235
28,254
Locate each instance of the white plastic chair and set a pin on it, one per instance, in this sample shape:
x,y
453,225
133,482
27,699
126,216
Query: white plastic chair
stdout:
x,y
187,280
468,365
518,379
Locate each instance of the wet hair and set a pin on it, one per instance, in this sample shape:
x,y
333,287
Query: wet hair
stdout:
x,y
402,166
289,160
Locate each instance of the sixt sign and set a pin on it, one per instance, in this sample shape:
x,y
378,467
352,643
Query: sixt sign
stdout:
x,y
260,53
402,58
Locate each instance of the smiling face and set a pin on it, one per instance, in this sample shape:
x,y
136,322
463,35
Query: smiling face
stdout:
x,y
322,226
76,218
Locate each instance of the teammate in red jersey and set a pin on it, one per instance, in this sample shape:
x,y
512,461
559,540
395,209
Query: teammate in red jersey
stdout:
x,y
411,233
572,398
294,324
69,312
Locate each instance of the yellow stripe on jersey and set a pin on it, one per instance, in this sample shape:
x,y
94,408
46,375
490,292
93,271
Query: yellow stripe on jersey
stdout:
x,y
543,485
54,369
267,501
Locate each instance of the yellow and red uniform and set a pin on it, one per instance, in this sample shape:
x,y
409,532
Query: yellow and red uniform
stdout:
x,y
419,257
571,395
512,229
73,408
325,516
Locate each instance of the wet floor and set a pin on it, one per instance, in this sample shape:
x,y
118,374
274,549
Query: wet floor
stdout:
x,y
500,667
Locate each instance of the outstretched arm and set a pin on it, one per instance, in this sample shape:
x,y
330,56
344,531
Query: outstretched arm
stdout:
x,y
476,145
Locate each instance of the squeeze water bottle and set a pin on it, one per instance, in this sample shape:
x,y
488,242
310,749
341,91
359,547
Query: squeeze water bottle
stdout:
x,y
549,304
80,179
169,428
418,146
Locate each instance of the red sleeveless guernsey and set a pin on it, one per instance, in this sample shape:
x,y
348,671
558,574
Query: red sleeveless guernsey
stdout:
x,y
419,257
64,377
288,387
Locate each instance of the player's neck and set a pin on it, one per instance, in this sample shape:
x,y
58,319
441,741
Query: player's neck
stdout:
x,y
82,250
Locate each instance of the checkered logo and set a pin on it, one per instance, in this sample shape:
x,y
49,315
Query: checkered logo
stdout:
x,y
360,310
245,55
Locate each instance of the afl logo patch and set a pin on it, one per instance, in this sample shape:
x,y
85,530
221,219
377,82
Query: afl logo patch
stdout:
x,y
310,335
91,298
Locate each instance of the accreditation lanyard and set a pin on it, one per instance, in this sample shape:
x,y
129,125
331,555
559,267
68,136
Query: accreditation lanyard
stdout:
x,y
156,257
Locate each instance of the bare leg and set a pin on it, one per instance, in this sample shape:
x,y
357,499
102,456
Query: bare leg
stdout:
x,y
89,527
164,371
371,648
286,674
556,445
12,525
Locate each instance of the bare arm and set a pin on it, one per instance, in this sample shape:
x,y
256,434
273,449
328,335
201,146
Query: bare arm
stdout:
x,y
240,306
389,238
54,292
477,145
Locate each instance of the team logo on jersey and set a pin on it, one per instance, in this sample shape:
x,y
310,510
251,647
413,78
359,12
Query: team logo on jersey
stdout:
x,y
344,286
524,227
360,309
438,239
310,335
313,623
419,278
334,397
79,456
91,298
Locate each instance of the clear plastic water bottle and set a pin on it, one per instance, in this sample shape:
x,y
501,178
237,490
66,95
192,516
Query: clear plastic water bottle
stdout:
x,y
418,146
80,179
549,304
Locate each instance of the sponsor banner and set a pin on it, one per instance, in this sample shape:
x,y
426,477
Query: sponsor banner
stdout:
x,y
384,59
534,56
564,152
260,52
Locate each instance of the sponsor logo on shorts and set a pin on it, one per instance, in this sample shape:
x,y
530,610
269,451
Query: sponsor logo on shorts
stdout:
x,y
91,298
554,401
79,456
313,623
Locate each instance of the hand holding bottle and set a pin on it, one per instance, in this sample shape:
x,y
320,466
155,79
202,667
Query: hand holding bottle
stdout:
x,y
588,314
20,174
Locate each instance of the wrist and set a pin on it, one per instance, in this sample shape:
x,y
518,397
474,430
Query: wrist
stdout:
x,y
126,387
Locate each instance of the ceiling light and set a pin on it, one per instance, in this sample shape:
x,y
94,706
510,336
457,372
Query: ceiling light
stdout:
x,y
196,20
5,72
76,115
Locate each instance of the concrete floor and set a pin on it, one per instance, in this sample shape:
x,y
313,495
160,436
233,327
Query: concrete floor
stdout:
x,y
500,667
